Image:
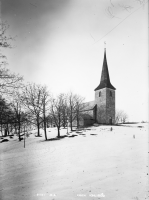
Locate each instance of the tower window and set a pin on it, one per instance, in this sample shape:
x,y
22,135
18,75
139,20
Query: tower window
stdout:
x,y
99,94
110,94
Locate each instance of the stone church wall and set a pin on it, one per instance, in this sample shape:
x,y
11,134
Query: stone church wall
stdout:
x,y
101,105
110,105
105,105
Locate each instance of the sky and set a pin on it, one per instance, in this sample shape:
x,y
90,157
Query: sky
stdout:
x,y
60,43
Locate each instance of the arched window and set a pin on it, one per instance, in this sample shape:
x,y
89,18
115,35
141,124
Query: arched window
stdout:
x,y
110,94
99,94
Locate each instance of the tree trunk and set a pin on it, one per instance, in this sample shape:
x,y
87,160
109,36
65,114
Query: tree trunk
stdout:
x,y
58,129
71,119
38,129
7,129
19,133
64,120
1,129
5,132
45,128
71,125
77,119
44,120
19,129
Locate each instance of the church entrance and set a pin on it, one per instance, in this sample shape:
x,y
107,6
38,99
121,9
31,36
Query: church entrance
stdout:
x,y
110,121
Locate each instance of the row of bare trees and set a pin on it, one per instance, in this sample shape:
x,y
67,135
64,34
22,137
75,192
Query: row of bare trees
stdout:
x,y
31,104
35,106
42,107
66,108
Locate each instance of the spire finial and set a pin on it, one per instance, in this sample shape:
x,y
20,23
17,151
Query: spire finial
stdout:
x,y
104,45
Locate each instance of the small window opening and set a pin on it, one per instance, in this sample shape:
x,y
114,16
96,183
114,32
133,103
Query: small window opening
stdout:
x,y
110,94
99,94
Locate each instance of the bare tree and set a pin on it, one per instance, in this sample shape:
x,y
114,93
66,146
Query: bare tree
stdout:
x,y
3,108
32,100
71,107
6,116
75,108
45,103
78,109
124,117
8,80
64,110
50,120
57,106
19,113
5,41
120,117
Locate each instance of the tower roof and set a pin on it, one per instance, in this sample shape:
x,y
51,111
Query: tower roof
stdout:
x,y
105,78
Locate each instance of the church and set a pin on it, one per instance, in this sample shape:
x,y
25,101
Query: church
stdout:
x,y
102,109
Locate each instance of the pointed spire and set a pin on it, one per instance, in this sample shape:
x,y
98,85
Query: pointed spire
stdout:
x,y
105,78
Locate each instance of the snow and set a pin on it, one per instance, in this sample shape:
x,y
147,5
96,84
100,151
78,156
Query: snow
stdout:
x,y
105,165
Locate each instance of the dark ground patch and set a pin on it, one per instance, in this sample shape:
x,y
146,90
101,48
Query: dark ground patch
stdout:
x,y
63,136
52,139
72,135
56,138
72,131
93,134
4,140
38,135
78,131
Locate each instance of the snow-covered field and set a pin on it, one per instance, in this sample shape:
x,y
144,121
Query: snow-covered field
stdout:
x,y
96,164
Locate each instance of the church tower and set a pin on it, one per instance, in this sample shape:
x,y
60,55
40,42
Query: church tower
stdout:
x,y
105,97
